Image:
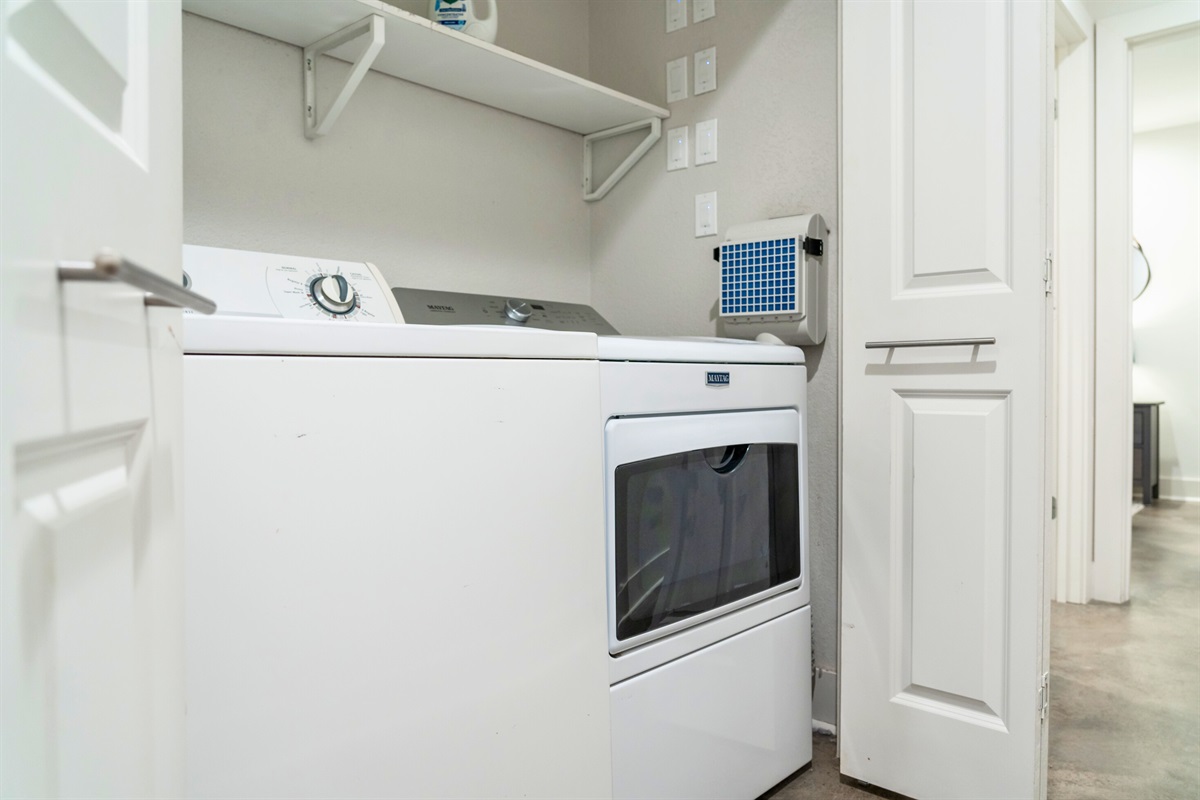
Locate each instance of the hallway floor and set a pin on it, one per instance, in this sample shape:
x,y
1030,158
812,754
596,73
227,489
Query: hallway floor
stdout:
x,y
1124,682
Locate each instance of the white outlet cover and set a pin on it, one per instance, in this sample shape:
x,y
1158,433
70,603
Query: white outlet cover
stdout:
x,y
706,142
703,9
676,14
677,80
706,70
706,214
677,148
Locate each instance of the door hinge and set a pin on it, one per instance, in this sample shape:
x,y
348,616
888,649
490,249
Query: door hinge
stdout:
x,y
1053,508
1056,108
1044,696
1048,272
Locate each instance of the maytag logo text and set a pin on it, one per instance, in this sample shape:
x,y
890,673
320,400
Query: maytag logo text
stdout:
x,y
718,379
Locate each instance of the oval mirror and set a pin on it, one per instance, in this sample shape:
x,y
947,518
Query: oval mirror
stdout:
x,y
1139,270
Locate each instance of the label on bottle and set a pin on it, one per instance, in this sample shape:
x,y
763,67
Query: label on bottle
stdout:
x,y
451,13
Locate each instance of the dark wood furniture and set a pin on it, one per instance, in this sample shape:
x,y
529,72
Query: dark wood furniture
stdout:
x,y
1145,449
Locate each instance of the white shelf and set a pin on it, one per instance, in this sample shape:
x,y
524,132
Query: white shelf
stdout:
x,y
419,51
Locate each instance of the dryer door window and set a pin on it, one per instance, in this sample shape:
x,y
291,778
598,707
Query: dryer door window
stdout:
x,y
701,531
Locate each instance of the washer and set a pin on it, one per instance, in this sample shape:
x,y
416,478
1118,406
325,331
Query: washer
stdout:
x,y
395,583
705,487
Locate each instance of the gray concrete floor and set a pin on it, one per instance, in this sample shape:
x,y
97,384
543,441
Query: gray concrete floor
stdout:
x,y
1124,682
822,779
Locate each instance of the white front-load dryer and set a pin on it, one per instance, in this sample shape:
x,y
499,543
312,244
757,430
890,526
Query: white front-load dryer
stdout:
x,y
395,586
707,565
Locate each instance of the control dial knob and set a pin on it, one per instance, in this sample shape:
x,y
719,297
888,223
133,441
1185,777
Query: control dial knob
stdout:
x,y
334,294
518,311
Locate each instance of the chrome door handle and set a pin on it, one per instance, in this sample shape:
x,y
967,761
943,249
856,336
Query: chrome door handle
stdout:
x,y
111,266
930,343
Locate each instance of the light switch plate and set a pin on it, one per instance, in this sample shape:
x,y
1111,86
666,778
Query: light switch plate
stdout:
x,y
677,88
703,9
706,142
706,214
676,14
677,148
706,70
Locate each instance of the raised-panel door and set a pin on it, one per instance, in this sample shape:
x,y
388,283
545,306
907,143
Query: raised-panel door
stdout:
x,y
90,548
944,187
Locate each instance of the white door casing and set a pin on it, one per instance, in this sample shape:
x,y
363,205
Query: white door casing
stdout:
x,y
1075,283
1113,313
90,549
945,183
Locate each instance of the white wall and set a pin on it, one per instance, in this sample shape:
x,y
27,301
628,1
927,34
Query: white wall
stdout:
x,y
438,192
1166,319
776,105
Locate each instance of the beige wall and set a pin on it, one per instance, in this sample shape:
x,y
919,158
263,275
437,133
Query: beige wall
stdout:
x,y
776,105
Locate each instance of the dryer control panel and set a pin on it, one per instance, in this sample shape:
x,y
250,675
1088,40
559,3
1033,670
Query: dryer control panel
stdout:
x,y
432,307
245,283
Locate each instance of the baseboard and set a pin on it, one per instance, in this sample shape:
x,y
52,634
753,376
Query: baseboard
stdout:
x,y
824,706
1186,489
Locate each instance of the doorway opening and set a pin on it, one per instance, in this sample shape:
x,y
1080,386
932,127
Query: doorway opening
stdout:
x,y
1126,625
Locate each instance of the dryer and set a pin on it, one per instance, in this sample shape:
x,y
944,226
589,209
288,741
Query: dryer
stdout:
x,y
394,586
707,554
705,548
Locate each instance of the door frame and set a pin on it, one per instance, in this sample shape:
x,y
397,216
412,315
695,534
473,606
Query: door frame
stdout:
x,y
1115,36
841,505
1074,237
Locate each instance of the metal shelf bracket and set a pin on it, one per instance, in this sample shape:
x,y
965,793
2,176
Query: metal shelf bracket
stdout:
x,y
314,124
655,126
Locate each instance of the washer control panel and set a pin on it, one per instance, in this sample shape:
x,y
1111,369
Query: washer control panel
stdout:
x,y
245,283
432,307
334,294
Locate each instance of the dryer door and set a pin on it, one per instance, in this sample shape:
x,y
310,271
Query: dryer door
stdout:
x,y
704,516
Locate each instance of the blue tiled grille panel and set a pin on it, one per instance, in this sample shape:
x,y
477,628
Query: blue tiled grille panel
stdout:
x,y
758,277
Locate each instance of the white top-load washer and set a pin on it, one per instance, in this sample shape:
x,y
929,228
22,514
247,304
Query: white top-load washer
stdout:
x,y
706,550
395,582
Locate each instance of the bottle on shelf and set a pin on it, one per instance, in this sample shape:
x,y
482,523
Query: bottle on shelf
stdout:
x,y
464,16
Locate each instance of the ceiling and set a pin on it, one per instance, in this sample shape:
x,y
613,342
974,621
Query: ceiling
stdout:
x,y
1166,81
1098,9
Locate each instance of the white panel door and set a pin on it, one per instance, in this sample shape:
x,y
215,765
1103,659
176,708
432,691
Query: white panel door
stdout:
x,y
90,549
944,191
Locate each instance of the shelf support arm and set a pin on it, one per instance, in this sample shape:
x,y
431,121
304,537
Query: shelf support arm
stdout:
x,y
314,124
655,132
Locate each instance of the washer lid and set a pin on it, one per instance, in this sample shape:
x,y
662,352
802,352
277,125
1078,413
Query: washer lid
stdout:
x,y
268,336
696,349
